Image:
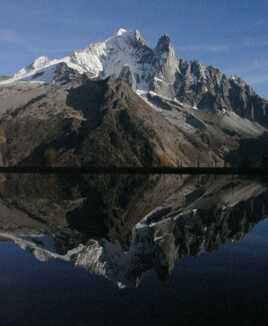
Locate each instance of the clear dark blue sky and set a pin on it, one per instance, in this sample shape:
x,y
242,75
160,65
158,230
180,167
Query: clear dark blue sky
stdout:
x,y
229,34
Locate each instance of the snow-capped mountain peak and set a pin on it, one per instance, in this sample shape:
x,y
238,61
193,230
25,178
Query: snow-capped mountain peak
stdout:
x,y
98,60
121,32
40,62
126,55
107,59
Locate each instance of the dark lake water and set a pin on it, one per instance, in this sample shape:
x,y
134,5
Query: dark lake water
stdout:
x,y
133,250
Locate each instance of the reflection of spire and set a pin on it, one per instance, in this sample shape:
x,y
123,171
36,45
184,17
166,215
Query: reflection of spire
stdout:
x,y
163,237
192,219
39,253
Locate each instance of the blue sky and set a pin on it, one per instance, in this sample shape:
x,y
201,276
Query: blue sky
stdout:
x,y
229,34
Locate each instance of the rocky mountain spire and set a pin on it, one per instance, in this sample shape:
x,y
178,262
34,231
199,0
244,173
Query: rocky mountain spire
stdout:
x,y
163,42
164,45
167,65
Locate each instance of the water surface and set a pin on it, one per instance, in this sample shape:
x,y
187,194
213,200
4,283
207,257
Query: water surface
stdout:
x,y
133,250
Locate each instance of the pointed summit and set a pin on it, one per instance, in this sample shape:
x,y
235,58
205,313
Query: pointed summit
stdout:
x,y
121,32
139,37
134,35
164,43
40,62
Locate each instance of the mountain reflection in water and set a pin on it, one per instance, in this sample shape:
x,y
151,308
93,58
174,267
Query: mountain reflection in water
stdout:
x,y
121,227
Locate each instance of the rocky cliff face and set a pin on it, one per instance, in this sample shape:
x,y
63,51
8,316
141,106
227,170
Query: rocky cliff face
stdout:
x,y
104,123
208,89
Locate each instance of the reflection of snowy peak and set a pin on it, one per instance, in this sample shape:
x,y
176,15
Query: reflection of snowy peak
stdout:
x,y
185,219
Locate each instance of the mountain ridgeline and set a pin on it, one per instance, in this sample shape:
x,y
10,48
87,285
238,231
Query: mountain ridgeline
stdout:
x,y
122,103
